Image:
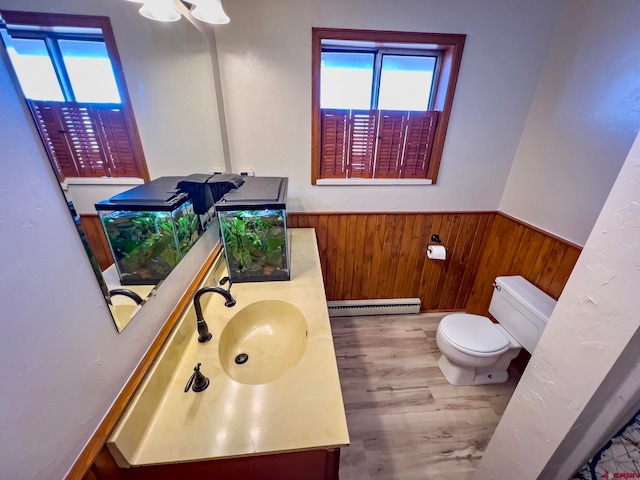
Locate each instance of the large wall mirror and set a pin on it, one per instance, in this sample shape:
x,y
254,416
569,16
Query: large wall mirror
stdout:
x,y
69,71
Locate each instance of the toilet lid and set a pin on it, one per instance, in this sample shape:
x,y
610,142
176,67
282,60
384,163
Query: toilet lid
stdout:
x,y
473,334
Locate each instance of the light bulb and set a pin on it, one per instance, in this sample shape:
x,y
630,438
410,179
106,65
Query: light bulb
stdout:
x,y
210,11
160,10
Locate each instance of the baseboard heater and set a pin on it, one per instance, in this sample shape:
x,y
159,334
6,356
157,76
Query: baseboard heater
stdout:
x,y
361,308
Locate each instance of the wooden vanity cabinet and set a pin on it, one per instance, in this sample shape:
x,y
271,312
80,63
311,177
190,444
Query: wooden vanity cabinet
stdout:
x,y
321,464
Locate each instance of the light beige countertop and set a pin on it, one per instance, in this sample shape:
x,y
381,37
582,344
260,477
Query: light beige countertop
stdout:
x,y
302,409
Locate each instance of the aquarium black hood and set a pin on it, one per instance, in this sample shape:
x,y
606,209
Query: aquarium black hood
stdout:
x,y
161,194
256,192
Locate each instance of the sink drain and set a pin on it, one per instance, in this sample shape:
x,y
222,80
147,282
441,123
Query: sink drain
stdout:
x,y
242,358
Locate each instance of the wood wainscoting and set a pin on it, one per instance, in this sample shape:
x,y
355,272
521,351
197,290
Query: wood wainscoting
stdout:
x,y
383,255
98,242
516,248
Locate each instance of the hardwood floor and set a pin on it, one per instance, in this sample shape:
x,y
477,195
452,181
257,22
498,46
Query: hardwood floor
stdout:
x,y
405,421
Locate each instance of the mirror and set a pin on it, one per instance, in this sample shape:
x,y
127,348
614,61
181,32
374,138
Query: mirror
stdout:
x,y
180,136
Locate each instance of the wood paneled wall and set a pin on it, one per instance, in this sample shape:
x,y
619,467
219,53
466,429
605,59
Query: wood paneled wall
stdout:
x,y
515,248
383,255
97,240
370,255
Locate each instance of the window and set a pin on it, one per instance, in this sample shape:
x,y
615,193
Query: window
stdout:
x,y
89,70
68,69
34,68
381,103
376,79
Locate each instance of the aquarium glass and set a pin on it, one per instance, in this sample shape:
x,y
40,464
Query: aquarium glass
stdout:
x,y
187,227
255,244
147,245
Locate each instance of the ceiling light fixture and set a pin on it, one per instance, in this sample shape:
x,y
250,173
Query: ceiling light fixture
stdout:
x,y
208,11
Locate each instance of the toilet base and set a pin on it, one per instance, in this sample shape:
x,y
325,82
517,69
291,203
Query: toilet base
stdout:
x,y
457,374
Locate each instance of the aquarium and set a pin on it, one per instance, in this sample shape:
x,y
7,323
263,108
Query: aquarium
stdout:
x,y
149,229
254,231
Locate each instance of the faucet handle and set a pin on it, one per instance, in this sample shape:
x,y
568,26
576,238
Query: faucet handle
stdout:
x,y
198,380
224,280
190,381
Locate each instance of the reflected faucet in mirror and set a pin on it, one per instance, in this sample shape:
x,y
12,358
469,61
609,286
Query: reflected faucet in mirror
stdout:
x,y
127,293
122,313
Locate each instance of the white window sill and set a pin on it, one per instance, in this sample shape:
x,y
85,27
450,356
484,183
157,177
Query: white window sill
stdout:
x,y
372,181
103,181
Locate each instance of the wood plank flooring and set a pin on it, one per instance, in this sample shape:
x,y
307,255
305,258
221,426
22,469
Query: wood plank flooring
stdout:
x,y
405,421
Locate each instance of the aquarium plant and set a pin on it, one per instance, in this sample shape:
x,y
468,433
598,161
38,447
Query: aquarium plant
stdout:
x,y
255,244
252,220
147,245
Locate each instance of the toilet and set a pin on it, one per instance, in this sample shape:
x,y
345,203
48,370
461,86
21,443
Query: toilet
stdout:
x,y
476,351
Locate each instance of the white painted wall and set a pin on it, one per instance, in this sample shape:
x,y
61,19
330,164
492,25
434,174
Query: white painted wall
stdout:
x,y
582,122
85,192
169,75
62,363
265,59
583,352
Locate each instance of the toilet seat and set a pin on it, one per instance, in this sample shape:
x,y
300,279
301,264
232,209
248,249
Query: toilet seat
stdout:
x,y
473,334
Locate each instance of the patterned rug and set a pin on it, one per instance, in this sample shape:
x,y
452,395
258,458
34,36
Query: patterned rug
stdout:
x,y
619,458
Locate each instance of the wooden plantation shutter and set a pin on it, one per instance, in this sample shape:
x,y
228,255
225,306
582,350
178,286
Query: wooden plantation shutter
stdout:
x,y
363,125
82,137
421,130
334,140
376,143
86,139
391,134
118,146
51,128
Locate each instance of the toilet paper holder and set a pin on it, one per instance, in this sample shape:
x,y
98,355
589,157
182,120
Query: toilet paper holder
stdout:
x,y
435,240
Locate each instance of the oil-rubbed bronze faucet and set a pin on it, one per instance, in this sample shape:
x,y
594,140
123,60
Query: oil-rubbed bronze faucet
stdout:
x,y
127,293
203,330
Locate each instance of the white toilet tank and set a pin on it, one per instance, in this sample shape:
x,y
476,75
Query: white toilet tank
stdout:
x,y
522,309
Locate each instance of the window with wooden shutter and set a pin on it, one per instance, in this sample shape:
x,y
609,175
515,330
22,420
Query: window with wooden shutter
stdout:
x,y
59,60
410,79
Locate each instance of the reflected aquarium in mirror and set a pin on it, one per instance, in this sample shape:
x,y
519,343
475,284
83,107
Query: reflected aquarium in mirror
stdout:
x,y
149,228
